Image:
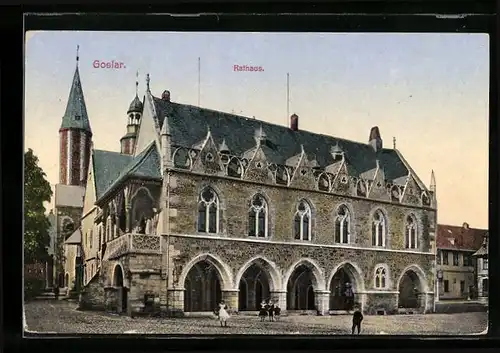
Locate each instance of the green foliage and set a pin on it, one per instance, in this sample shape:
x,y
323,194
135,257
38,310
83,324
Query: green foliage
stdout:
x,y
36,225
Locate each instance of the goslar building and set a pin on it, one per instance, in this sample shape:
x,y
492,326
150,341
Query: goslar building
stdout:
x,y
201,206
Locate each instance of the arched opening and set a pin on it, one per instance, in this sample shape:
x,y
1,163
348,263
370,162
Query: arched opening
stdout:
x,y
300,289
410,290
255,287
66,280
342,287
142,210
203,288
484,287
121,291
243,295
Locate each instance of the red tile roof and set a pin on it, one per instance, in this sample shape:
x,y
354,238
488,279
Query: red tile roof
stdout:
x,y
459,237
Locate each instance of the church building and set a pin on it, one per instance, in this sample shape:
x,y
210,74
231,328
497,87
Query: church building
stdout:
x,y
201,206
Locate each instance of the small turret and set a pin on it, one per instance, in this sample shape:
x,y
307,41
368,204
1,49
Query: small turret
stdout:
x,y
375,140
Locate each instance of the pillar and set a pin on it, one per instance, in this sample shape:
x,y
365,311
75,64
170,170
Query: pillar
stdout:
x,y
280,298
322,302
175,301
230,297
127,218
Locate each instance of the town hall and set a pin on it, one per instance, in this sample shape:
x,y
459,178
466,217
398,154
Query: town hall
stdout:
x,y
200,206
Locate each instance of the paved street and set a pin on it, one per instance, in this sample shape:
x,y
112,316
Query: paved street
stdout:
x,y
62,317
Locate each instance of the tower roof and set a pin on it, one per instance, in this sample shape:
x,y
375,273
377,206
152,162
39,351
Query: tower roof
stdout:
x,y
76,116
135,106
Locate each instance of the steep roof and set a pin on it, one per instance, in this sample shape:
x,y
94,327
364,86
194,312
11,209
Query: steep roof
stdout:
x,y
483,250
145,165
107,168
188,126
459,237
75,116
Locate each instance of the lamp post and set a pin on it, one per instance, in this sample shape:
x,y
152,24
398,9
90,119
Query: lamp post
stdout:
x,y
439,276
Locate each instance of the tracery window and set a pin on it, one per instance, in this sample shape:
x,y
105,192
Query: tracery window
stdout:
x,y
258,217
381,278
208,211
378,229
302,221
342,225
411,237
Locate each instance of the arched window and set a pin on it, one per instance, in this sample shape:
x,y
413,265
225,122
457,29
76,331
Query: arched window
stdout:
x,y
302,221
378,229
91,238
208,212
258,217
381,278
342,225
411,237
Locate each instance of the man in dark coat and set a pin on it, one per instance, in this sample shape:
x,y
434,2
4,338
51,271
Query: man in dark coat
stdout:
x,y
357,317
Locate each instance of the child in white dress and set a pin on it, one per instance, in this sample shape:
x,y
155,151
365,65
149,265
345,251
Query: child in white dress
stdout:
x,y
223,314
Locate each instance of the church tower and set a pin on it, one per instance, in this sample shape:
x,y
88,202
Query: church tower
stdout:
x,y
75,137
134,114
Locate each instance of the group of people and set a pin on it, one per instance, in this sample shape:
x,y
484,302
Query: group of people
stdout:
x,y
269,309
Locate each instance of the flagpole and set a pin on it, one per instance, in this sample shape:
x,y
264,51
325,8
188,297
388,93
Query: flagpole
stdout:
x,y
199,79
287,97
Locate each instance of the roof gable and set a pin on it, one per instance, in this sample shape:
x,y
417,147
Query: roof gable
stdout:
x,y
107,167
146,165
188,126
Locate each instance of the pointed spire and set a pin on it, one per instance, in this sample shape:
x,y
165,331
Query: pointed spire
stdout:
x,y
77,54
75,116
147,83
394,142
223,147
433,182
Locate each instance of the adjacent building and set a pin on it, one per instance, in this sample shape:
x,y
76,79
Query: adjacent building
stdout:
x,y
482,268
456,264
201,206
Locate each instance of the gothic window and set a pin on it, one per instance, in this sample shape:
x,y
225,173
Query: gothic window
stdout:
x,y
208,211
258,217
302,221
381,278
91,238
342,225
378,229
411,236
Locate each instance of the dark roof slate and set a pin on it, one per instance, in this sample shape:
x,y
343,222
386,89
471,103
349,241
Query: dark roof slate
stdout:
x,y
188,126
146,164
75,116
107,168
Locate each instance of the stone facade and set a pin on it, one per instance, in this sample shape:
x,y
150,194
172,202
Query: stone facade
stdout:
x,y
187,221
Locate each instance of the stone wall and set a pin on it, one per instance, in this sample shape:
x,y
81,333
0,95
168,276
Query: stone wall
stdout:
x,y
386,302
93,295
235,199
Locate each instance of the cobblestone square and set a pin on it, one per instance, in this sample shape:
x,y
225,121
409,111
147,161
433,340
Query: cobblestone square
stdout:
x,y
62,317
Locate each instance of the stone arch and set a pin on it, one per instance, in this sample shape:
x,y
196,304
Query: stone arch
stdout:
x,y
302,281
319,277
142,208
268,266
224,271
343,273
297,224
182,158
118,276
412,287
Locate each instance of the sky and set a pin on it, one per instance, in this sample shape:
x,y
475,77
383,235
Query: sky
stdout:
x,y
429,91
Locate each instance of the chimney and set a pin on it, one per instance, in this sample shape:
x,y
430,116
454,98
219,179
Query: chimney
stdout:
x,y
165,96
375,140
294,122
465,225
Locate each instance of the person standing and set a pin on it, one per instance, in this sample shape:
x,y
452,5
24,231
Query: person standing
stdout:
x,y
56,292
223,314
357,317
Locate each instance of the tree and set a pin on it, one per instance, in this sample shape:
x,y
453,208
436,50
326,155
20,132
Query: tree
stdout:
x,y
36,225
